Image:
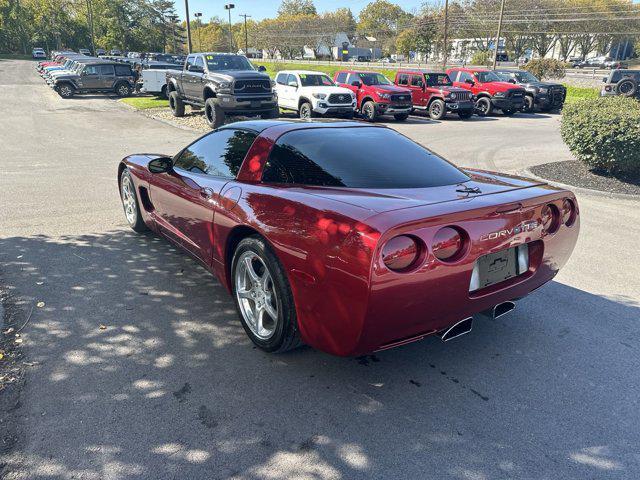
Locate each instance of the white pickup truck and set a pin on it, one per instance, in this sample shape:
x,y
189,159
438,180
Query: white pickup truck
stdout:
x,y
313,93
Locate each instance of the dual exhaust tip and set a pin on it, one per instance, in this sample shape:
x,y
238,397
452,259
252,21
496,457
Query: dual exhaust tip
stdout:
x,y
464,326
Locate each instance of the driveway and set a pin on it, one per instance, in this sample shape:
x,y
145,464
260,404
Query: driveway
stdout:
x,y
138,367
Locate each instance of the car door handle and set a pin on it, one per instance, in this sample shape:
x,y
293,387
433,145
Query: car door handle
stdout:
x,y
206,192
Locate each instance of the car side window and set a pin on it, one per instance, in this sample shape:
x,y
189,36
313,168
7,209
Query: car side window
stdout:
x,y
106,69
199,62
352,78
189,62
281,78
220,153
416,81
464,76
342,77
90,70
292,78
403,79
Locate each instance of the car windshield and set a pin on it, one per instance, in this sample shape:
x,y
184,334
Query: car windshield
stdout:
x,y
217,63
358,157
437,79
374,79
308,80
526,77
484,77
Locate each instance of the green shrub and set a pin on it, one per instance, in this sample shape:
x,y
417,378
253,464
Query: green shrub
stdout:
x,y
546,68
481,58
604,133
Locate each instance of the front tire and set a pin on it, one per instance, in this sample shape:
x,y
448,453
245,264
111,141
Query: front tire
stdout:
x,y
305,111
130,203
123,89
176,104
369,111
213,114
65,90
483,106
263,297
437,110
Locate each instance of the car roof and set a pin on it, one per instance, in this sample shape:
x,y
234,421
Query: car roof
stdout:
x,y
419,70
260,126
306,72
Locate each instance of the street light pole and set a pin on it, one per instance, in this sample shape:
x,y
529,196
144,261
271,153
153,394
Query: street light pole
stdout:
x,y
186,8
229,7
446,32
495,54
198,15
246,36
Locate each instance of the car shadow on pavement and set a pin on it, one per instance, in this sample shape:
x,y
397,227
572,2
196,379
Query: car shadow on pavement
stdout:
x,y
140,369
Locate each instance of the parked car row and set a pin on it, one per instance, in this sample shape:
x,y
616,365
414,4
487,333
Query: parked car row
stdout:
x,y
599,62
71,73
228,84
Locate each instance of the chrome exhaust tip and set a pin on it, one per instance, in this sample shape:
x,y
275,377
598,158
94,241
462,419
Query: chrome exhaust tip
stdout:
x,y
502,309
456,330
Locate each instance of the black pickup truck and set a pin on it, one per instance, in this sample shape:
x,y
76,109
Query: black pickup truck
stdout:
x,y
224,84
543,95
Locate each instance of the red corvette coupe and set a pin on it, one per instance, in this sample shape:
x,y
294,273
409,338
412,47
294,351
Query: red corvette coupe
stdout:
x,y
349,237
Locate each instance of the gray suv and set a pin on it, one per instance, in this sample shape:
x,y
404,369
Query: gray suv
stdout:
x,y
96,76
621,82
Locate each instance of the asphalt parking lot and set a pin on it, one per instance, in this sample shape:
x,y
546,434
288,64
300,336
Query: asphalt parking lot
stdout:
x,y
171,388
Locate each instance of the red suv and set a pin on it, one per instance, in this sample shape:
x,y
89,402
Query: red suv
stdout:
x,y
489,91
376,94
434,92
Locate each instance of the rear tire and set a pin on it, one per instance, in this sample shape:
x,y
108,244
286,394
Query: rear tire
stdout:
x,y
483,107
130,203
176,104
437,109
213,114
263,297
369,111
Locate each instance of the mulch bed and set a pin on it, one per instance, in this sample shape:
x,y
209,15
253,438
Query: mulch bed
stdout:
x,y
575,173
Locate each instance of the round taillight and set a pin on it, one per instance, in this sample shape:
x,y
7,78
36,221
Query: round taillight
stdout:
x,y
400,253
550,218
447,244
569,212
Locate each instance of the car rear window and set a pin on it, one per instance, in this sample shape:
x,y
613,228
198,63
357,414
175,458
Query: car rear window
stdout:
x,y
358,157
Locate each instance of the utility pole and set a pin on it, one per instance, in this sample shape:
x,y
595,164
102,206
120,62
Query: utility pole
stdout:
x,y
495,53
446,31
90,18
186,8
229,7
246,36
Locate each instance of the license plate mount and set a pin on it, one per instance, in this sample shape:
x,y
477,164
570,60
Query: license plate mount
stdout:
x,y
497,267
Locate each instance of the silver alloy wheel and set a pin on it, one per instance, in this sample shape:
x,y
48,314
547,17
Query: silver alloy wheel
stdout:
x,y
65,90
129,200
482,106
436,109
123,90
256,295
305,111
368,111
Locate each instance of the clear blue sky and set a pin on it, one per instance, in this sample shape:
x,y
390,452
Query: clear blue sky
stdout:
x,y
259,9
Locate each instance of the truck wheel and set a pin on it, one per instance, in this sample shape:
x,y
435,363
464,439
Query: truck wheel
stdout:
x,y
177,107
123,89
213,114
437,110
274,113
66,90
626,87
369,111
401,117
528,104
465,114
306,111
483,106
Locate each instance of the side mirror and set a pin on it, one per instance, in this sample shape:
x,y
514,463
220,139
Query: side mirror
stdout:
x,y
293,84
512,80
160,165
356,83
469,81
262,68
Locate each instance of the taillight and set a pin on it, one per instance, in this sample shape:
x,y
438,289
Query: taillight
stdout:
x,y
550,218
569,212
400,253
447,244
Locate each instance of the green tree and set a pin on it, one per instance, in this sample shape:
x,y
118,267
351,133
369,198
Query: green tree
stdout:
x,y
296,7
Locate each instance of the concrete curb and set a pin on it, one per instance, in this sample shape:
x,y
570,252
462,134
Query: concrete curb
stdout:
x,y
585,191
